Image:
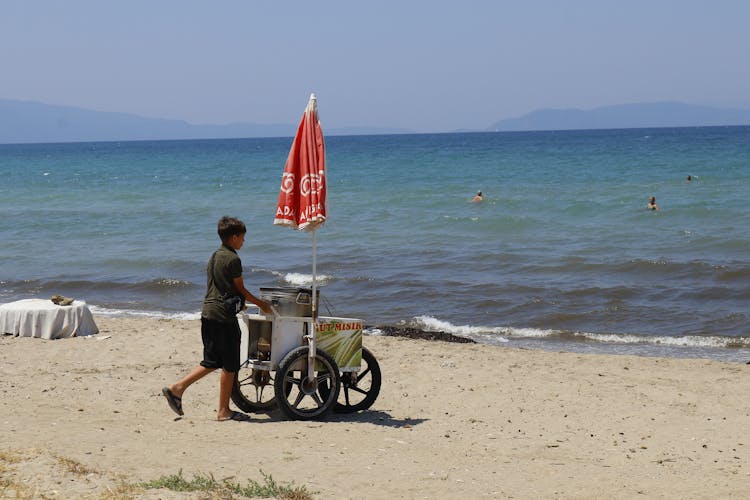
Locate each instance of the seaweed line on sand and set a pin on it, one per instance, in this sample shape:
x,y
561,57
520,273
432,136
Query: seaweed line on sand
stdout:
x,y
416,333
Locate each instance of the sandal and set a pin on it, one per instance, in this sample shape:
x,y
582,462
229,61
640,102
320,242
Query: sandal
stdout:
x,y
237,417
174,402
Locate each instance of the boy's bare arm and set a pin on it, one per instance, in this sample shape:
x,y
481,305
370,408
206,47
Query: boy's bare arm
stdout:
x,y
239,285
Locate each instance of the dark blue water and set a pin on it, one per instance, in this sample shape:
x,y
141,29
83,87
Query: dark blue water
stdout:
x,y
561,254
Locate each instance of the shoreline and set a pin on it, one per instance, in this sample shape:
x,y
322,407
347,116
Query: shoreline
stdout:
x,y
452,420
717,348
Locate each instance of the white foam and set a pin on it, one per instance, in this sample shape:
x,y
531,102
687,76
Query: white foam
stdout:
x,y
433,324
114,313
299,279
686,341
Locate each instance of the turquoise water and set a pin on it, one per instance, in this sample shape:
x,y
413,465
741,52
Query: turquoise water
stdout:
x,y
561,254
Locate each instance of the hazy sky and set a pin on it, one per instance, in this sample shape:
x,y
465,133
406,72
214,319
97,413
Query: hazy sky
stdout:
x,y
421,65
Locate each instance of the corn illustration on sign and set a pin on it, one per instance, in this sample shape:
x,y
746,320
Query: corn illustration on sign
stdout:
x,y
342,339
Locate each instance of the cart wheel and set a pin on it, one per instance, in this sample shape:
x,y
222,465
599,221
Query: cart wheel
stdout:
x,y
359,390
298,395
253,390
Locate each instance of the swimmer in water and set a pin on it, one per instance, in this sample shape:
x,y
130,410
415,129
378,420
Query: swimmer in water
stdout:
x,y
652,204
477,198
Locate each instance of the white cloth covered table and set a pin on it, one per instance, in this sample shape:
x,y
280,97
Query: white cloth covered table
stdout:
x,y
43,319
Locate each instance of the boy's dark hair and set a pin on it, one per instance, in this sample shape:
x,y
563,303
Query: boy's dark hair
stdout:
x,y
230,226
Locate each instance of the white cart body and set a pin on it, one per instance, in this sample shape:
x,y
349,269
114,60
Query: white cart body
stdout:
x,y
266,339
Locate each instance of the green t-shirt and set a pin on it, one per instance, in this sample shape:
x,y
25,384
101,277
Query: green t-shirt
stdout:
x,y
220,278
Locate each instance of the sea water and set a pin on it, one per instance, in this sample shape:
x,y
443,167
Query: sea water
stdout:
x,y
562,253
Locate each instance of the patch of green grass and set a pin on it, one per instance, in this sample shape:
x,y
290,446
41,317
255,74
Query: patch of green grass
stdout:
x,y
268,489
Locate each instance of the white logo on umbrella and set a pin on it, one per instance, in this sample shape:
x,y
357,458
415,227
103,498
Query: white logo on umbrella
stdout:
x,y
311,183
287,182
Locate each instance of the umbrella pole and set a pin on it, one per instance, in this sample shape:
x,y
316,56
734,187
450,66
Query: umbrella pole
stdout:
x,y
314,277
314,323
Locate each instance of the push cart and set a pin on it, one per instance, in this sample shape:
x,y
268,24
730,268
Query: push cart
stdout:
x,y
306,367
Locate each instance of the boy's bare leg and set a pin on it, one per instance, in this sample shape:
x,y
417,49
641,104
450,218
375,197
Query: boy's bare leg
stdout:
x,y
225,391
195,375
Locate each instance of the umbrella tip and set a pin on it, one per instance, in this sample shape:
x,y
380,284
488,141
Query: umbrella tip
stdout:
x,y
313,97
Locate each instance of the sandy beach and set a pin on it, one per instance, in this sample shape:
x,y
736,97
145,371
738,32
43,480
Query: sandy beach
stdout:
x,y
452,421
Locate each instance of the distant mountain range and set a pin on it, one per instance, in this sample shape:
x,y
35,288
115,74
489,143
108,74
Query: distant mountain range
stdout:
x,y
642,115
27,121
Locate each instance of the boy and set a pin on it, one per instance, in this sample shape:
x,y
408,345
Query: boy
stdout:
x,y
219,328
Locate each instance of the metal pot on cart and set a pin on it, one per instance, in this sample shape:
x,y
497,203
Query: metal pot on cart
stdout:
x,y
306,366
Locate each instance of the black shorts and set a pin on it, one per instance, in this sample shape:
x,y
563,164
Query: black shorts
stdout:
x,y
221,345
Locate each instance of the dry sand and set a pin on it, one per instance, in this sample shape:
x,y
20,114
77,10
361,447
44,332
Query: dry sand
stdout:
x,y
452,421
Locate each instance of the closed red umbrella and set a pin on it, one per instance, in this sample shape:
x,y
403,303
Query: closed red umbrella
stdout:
x,y
302,198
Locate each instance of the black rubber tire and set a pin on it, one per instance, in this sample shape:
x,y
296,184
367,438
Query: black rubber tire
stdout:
x,y
300,389
251,397
367,385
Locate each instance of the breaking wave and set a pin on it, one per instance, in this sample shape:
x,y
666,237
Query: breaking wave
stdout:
x,y
503,334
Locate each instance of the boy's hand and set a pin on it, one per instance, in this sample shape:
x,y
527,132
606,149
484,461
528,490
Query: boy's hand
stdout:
x,y
266,308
